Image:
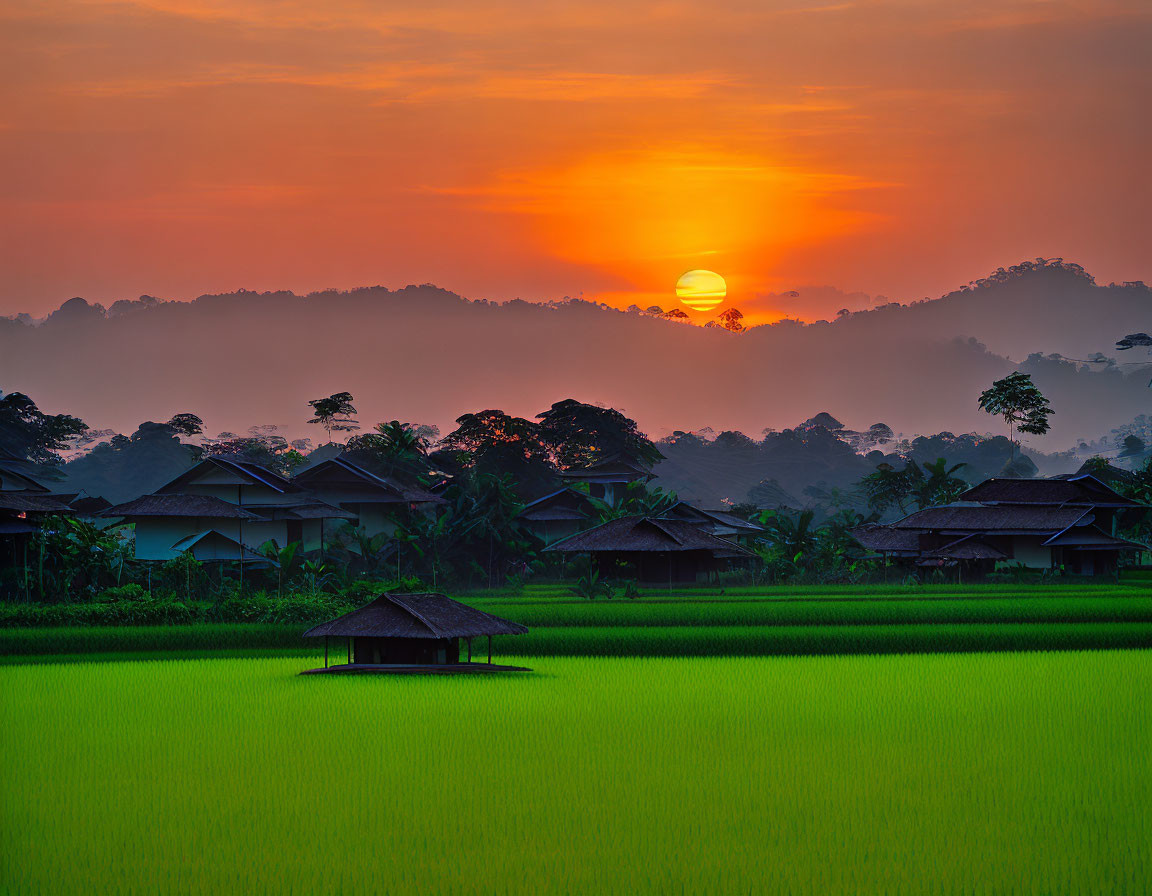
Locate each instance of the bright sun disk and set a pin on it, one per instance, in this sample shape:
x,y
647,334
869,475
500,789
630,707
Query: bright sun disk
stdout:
x,y
701,290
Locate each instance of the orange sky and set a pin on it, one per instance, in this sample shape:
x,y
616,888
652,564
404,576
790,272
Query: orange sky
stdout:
x,y
538,149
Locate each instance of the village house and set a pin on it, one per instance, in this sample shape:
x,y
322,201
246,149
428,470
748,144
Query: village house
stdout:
x,y
558,515
565,512
1070,524
241,501
24,503
654,549
608,478
720,523
373,499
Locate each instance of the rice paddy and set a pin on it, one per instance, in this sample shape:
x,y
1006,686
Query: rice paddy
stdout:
x,y
959,773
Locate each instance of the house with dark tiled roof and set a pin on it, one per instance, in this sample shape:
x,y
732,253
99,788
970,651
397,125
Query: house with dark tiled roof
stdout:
x,y
240,501
374,498
25,503
558,514
1070,524
654,549
607,478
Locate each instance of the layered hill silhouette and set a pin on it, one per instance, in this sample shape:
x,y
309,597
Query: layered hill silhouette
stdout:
x,y
427,355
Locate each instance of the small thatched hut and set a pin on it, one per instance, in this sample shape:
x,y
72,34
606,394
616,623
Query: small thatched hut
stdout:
x,y
413,633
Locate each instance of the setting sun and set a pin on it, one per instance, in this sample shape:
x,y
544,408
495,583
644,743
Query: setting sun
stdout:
x,y
701,290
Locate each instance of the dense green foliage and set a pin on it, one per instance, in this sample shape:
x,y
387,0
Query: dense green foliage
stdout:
x,y
959,774
27,433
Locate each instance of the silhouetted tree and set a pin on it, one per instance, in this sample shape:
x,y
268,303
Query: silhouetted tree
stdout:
x,y
129,466
186,424
1019,402
579,434
334,413
27,433
492,443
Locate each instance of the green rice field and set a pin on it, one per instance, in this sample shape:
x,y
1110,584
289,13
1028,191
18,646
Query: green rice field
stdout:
x,y
768,622
959,773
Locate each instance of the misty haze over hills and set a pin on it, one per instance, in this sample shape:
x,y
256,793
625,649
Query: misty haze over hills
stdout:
x,y
427,355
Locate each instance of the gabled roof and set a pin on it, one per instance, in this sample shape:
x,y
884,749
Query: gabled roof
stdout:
x,y
9,471
194,506
564,504
614,466
210,544
1092,538
877,537
23,502
647,534
253,473
717,518
388,489
1080,490
1003,518
415,616
88,504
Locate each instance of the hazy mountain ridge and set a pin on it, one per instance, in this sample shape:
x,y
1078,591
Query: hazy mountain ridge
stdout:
x,y
423,353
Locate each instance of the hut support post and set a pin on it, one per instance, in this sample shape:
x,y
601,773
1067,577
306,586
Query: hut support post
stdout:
x,y
489,650
325,651
349,640
469,640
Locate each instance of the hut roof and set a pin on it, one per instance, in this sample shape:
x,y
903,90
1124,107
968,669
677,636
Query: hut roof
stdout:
x,y
565,504
204,506
970,547
877,537
644,534
1003,518
25,502
612,467
724,518
10,471
719,519
1082,490
89,504
415,616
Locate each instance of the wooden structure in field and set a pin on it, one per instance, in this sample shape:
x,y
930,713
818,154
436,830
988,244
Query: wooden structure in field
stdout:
x,y
414,633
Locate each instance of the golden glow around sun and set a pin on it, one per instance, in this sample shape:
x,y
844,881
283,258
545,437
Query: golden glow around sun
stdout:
x,y
701,290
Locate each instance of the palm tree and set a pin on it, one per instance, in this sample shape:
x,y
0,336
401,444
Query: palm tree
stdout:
x,y
637,499
795,537
284,558
937,483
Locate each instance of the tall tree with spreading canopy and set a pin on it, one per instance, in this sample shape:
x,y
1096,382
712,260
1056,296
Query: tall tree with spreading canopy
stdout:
x,y
492,443
334,413
27,433
1023,406
186,425
579,434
